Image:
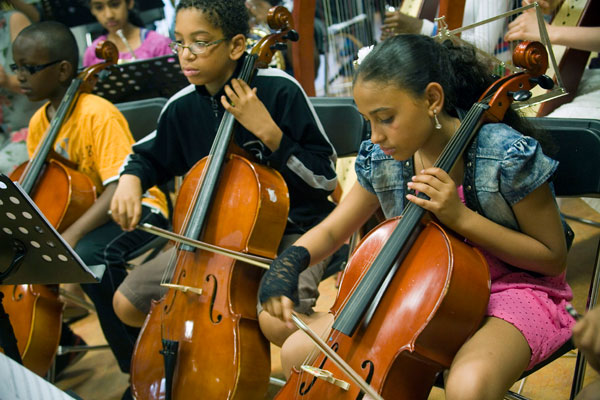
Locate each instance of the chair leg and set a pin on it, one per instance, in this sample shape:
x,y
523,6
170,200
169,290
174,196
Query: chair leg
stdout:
x,y
514,396
582,220
578,375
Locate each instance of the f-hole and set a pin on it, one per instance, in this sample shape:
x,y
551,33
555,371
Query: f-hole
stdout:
x,y
212,300
371,367
302,392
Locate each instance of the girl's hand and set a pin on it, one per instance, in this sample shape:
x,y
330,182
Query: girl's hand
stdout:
x,y
280,307
443,201
278,290
248,110
126,204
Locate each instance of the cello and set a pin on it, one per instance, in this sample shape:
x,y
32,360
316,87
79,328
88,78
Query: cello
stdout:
x,y
206,327
62,194
412,292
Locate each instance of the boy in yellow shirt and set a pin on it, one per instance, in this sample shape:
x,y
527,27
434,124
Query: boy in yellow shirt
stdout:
x,y
96,137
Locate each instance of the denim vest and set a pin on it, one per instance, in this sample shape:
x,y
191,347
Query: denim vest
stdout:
x,y
501,167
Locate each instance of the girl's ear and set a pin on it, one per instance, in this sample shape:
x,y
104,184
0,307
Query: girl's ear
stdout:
x,y
434,95
130,4
237,46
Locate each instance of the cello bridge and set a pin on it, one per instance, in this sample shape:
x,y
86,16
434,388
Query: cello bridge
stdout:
x,y
182,288
327,376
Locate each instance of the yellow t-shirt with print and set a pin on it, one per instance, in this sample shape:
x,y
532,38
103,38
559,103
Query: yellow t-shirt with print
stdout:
x,y
96,137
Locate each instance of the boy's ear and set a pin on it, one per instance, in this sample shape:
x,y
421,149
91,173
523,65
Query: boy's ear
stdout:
x,y
66,72
237,46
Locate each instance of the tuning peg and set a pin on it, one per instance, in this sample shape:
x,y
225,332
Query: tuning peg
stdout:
x,y
292,35
544,81
520,95
278,46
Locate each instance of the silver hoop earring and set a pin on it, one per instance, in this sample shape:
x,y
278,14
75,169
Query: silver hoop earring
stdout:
x,y
436,120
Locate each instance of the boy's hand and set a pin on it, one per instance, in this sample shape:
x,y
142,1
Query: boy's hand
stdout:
x,y
126,204
586,336
248,110
443,201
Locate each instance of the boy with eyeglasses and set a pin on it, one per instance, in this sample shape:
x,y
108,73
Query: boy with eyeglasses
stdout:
x,y
276,124
96,137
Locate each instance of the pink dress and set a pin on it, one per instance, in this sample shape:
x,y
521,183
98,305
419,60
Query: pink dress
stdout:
x,y
153,45
533,303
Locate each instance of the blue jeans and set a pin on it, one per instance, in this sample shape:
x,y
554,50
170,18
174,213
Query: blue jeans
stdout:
x,y
109,245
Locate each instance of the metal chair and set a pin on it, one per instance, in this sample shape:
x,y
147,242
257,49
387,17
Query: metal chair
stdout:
x,y
345,128
578,175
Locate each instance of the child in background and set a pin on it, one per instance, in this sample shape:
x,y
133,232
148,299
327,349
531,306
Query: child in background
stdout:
x,y
411,88
115,15
15,108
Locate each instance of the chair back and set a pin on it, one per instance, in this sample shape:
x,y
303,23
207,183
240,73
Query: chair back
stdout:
x,y
578,142
142,115
343,124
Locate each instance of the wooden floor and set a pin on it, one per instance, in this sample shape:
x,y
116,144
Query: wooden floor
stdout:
x,y
97,377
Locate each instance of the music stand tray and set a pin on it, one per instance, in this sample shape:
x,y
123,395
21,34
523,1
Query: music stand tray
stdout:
x,y
141,79
47,258
32,252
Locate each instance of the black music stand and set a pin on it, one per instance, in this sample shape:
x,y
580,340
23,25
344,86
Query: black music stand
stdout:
x,y
32,251
141,79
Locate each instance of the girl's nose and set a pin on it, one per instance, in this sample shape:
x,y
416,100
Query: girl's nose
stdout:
x,y
376,136
187,53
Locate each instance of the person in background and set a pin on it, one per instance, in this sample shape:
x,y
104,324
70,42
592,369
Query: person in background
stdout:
x,y
119,15
487,37
28,9
15,108
586,103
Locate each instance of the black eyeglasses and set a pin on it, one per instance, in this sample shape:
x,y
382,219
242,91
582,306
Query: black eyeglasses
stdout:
x,y
31,69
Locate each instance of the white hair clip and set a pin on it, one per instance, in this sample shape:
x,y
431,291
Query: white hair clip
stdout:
x,y
362,53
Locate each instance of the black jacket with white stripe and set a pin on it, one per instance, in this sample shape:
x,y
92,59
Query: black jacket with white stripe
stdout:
x,y
188,124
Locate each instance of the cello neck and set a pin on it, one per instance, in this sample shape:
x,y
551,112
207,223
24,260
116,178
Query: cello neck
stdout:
x,y
216,159
31,173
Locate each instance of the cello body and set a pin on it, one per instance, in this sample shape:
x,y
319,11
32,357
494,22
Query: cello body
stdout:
x,y
435,301
62,193
222,353
36,317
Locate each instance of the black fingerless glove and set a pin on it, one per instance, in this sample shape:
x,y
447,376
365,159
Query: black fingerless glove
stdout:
x,y
281,279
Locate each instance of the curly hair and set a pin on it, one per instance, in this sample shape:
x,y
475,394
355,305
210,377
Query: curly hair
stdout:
x,y
231,16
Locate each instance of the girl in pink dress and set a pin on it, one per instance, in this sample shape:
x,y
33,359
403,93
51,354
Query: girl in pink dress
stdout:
x,y
115,15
